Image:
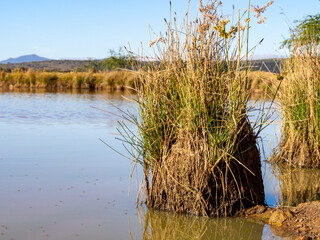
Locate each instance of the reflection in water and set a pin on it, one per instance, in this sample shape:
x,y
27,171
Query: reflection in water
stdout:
x,y
161,225
69,108
297,185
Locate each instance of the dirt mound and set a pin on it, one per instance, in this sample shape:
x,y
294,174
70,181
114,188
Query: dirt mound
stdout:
x,y
187,182
306,219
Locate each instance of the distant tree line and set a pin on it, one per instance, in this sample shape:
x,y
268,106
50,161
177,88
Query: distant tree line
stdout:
x,y
116,61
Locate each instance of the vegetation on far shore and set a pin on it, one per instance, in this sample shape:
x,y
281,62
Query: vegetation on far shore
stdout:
x,y
29,79
261,84
118,71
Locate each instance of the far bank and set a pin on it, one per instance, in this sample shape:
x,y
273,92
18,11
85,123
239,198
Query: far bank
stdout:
x,y
262,83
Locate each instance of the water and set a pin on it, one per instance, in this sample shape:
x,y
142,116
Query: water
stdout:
x,y
59,181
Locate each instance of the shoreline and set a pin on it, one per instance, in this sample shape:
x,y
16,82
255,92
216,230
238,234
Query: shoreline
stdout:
x,y
262,84
302,220
58,81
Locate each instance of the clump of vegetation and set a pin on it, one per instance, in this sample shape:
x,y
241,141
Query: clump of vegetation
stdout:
x,y
195,143
306,31
299,98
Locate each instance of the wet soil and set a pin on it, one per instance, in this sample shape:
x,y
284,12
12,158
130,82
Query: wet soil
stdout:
x,y
303,220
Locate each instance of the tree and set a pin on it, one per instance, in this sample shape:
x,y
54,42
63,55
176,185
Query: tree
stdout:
x,y
116,60
305,32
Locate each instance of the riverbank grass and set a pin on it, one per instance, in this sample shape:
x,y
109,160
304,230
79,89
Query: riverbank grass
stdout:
x,y
195,143
299,98
29,79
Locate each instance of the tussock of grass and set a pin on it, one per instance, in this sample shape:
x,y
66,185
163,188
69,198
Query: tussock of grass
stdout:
x,y
195,143
114,80
299,98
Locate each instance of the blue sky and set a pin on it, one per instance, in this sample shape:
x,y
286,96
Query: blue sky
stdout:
x,y
78,29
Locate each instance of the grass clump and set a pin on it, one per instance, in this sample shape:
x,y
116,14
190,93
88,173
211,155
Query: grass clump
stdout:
x,y
195,143
299,98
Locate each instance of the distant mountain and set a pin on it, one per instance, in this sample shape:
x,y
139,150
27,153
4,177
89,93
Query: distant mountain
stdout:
x,y
25,58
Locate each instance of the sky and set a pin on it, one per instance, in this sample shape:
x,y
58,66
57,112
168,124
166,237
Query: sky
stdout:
x,y
78,29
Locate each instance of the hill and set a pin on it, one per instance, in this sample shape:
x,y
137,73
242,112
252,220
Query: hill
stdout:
x,y
52,65
267,65
25,58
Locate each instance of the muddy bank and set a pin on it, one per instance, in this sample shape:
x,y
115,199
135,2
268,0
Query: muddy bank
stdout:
x,y
303,220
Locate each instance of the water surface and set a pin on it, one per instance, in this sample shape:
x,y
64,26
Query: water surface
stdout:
x,y
59,181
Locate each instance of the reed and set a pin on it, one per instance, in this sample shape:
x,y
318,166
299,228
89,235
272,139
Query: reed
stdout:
x,y
29,79
299,98
194,141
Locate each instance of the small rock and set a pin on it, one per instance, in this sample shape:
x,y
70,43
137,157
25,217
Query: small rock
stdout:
x,y
278,217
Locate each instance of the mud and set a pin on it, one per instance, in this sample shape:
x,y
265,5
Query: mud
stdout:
x,y
302,221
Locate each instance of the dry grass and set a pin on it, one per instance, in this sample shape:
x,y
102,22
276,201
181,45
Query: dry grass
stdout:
x,y
299,98
262,84
30,79
195,143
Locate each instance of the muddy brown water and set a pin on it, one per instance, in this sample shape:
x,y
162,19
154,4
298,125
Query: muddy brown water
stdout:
x,y
59,181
